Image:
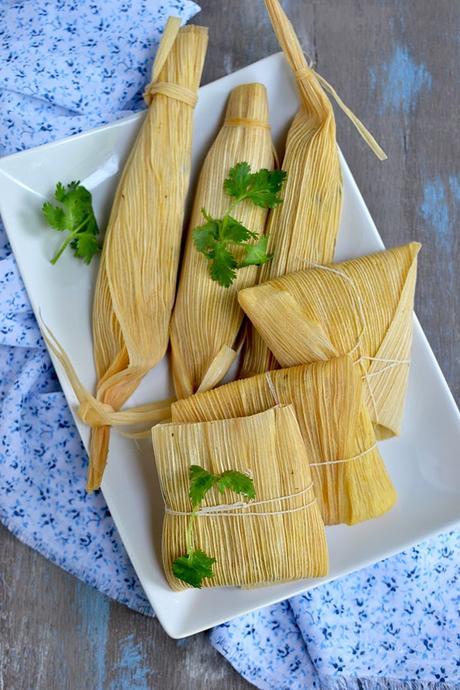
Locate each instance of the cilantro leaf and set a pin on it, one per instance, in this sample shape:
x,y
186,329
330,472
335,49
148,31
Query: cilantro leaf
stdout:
x,y
55,216
200,482
237,181
234,231
262,187
216,238
85,246
256,254
236,481
75,215
193,567
223,266
205,237
60,193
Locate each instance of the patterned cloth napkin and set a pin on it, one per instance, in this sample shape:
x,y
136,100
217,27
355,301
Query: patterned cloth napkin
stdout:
x,y
68,65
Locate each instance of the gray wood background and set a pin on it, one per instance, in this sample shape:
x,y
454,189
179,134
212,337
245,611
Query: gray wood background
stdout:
x,y
395,62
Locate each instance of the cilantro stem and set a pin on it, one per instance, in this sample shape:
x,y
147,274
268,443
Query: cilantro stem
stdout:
x,y
188,534
68,240
233,205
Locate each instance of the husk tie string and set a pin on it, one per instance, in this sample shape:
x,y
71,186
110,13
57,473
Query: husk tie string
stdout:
x,y
175,91
273,392
226,509
308,73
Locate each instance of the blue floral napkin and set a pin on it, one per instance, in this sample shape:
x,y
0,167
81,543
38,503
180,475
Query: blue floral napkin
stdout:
x,y
67,66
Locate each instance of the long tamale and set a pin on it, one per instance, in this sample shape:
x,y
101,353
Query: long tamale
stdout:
x,y
137,275
207,316
277,536
305,226
362,307
351,482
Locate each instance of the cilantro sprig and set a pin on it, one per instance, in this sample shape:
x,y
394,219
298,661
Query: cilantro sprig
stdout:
x,y
75,215
196,565
217,237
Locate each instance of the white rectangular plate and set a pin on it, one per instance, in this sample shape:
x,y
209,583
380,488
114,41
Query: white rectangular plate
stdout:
x,y
423,461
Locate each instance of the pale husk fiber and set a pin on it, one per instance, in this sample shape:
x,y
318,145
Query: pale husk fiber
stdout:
x,y
249,550
207,316
363,307
136,282
335,425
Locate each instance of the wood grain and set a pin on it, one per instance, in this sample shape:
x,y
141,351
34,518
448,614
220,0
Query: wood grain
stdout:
x,y
395,63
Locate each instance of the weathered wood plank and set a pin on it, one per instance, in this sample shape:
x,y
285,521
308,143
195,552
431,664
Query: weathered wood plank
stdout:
x,y
59,634
395,64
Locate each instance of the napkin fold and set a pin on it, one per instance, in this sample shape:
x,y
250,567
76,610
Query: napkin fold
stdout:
x,y
67,66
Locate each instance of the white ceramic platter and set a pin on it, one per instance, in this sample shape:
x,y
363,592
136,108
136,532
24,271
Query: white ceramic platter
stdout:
x,y
424,461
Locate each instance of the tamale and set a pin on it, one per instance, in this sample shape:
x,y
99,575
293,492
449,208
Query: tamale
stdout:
x,y
207,316
305,226
136,282
362,307
276,537
351,482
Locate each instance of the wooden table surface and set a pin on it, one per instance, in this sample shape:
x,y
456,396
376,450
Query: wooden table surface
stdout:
x,y
395,63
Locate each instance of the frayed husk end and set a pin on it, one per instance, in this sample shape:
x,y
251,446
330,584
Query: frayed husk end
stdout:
x,y
99,449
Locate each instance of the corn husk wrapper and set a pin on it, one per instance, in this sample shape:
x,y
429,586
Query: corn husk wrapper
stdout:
x,y
363,307
207,316
335,425
135,287
274,541
305,226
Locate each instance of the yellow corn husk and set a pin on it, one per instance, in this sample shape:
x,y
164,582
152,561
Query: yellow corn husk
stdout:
x,y
136,282
280,535
335,426
362,307
305,226
207,316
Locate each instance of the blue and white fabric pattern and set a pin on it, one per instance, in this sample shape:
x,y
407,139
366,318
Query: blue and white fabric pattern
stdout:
x,y
67,66
393,626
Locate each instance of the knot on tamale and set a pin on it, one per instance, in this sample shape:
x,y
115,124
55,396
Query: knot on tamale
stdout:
x,y
175,91
95,413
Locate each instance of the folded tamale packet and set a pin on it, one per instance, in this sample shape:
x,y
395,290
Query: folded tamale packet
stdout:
x,y
363,307
277,536
350,478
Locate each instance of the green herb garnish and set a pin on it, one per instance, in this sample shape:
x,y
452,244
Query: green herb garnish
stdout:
x,y
216,238
76,216
196,565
